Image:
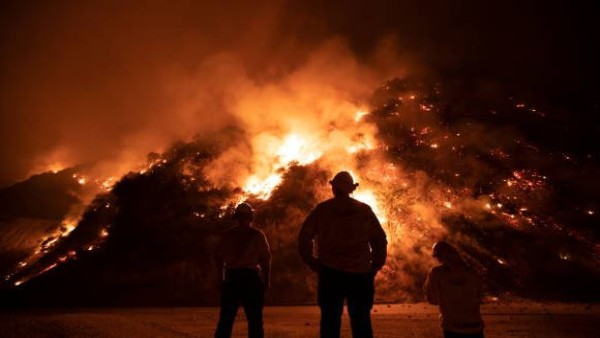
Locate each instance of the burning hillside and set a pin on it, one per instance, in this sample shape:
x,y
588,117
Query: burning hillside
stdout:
x,y
434,160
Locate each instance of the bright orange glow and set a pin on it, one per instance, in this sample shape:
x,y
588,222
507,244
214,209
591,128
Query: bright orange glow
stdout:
x,y
262,188
367,196
56,167
108,183
291,149
296,149
359,115
68,227
104,233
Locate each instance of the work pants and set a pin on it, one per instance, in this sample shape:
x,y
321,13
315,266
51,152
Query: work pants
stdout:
x,y
357,289
241,287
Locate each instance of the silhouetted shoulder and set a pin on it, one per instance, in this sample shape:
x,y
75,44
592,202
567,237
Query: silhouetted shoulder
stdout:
x,y
361,205
436,270
325,204
336,203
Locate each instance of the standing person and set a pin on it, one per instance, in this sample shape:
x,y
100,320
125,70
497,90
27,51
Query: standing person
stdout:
x,y
458,291
350,248
245,258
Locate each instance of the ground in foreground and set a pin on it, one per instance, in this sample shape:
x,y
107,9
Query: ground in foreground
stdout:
x,y
515,320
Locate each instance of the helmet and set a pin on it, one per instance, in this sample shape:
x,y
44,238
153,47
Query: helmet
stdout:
x,y
444,250
243,210
344,182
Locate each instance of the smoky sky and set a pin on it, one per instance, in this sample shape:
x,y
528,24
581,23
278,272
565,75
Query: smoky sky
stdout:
x,y
85,81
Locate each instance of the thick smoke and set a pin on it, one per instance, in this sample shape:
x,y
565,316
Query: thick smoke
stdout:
x,y
107,82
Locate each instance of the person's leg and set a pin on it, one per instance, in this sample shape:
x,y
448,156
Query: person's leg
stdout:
x,y
331,301
229,307
253,303
361,292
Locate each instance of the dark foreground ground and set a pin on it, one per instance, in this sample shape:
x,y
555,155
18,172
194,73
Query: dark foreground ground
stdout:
x,y
526,320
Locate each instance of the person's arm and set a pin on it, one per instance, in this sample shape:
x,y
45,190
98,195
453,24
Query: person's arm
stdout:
x,y
431,289
306,236
377,241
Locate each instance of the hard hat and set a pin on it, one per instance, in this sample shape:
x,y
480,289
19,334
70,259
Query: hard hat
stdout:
x,y
243,209
344,182
443,249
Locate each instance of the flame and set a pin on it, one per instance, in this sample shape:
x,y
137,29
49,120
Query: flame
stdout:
x,y
368,197
108,183
67,226
359,115
55,167
291,149
296,149
262,188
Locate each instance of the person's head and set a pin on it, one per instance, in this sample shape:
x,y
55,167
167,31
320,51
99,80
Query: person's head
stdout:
x,y
446,253
244,213
343,184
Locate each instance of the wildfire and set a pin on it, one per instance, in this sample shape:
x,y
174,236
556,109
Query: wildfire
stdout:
x,y
262,189
292,149
367,196
415,206
296,149
56,167
67,227
359,115
108,183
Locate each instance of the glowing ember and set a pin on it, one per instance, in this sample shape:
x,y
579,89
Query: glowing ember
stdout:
x,y
564,256
104,233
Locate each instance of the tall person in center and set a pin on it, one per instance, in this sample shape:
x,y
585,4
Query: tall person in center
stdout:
x,y
343,241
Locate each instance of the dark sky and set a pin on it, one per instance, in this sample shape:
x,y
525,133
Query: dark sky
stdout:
x,y
92,73
542,43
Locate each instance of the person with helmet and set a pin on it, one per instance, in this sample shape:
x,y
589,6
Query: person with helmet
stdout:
x,y
343,241
245,257
458,291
